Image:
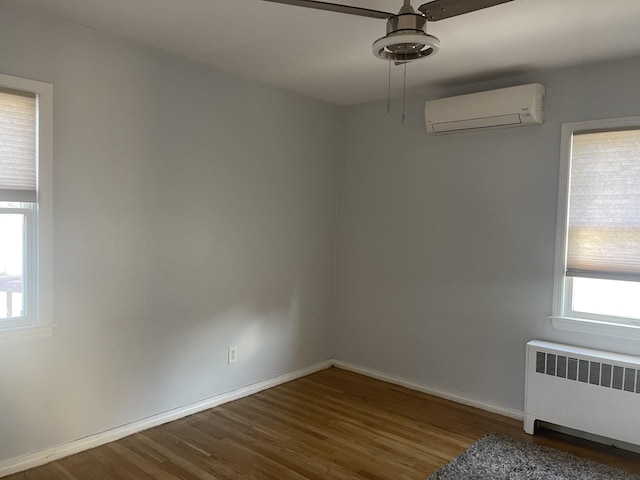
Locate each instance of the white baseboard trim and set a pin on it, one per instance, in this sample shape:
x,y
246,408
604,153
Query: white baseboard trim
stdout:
x,y
435,391
25,462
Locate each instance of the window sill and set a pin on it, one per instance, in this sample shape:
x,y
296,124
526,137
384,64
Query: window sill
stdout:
x,y
618,330
26,333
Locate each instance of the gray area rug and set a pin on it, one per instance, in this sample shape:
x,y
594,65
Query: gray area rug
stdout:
x,y
499,457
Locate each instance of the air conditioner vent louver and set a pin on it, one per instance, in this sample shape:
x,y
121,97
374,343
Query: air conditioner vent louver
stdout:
x,y
594,373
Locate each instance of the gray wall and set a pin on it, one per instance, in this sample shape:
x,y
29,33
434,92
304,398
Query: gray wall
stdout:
x,y
193,210
446,244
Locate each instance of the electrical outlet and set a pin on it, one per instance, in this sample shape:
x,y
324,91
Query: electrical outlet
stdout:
x,y
233,354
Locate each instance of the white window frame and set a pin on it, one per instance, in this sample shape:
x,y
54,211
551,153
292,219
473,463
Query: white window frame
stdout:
x,y
562,316
29,268
39,244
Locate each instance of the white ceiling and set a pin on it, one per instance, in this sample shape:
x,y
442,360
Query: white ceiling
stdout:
x,y
328,55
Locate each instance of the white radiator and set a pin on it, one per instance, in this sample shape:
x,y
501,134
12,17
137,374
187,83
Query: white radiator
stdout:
x,y
582,389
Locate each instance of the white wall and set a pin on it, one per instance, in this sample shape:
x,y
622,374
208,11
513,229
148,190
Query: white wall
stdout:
x,y
446,244
193,210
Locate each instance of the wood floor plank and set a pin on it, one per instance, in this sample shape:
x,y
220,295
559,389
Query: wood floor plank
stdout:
x,y
333,424
295,457
150,468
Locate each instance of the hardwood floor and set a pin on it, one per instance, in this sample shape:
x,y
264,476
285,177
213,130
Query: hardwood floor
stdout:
x,y
330,425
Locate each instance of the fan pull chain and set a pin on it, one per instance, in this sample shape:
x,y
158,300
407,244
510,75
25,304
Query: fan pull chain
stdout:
x,y
404,91
389,90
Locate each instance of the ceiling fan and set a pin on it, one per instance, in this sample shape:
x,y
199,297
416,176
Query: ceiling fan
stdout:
x,y
406,39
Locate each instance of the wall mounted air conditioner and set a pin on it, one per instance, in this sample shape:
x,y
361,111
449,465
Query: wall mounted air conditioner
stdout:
x,y
505,107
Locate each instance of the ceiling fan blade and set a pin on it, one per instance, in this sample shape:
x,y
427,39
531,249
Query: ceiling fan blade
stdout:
x,y
334,7
441,9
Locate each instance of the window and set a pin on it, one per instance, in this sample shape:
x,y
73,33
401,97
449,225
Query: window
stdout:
x,y
25,208
597,279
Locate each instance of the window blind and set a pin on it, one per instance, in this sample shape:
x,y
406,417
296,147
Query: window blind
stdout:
x,y
604,206
18,179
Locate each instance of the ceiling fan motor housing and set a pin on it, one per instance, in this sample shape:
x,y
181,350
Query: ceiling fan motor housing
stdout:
x,y
406,39
406,22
